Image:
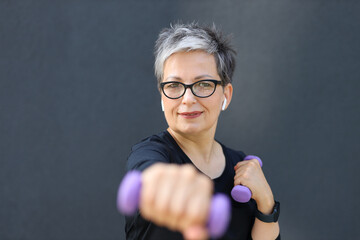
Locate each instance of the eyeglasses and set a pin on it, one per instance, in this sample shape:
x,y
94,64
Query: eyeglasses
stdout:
x,y
201,89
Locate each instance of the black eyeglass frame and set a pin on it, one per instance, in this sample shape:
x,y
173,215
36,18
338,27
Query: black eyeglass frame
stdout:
x,y
186,86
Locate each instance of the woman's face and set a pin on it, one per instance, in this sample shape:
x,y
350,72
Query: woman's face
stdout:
x,y
189,114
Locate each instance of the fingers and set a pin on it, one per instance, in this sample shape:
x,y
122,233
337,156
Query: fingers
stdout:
x,y
245,170
164,191
149,181
181,198
198,203
246,162
177,197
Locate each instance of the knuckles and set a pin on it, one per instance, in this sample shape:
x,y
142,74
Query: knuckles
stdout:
x,y
187,172
176,212
245,171
254,163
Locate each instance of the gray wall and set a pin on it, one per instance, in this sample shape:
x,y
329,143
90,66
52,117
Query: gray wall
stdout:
x,y
77,91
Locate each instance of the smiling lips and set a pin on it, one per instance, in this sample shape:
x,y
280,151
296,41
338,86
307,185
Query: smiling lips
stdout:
x,y
190,115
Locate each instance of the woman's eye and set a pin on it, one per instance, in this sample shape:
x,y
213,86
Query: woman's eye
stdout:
x,y
204,84
172,85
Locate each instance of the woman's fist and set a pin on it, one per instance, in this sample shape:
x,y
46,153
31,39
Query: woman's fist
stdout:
x,y
249,173
177,197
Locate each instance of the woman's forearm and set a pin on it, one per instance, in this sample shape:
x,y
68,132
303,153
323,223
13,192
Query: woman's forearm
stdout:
x,y
262,230
265,231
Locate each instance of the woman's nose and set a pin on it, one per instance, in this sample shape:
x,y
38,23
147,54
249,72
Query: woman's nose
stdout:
x,y
188,97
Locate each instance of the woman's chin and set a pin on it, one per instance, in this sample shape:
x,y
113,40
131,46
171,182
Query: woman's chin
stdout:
x,y
190,130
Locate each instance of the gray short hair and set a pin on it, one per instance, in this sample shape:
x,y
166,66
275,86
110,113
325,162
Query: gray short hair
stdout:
x,y
190,37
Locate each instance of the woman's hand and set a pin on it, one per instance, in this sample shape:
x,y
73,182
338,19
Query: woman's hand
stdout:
x,y
249,173
177,197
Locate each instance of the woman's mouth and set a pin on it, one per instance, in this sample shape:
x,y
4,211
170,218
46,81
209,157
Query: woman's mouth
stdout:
x,y
190,115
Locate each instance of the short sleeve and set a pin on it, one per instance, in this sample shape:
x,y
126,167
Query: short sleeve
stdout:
x,y
147,153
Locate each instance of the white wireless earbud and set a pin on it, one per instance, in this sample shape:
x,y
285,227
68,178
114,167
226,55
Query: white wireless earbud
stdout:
x,y
224,105
162,105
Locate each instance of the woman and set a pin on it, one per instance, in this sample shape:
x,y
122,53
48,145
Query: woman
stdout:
x,y
184,165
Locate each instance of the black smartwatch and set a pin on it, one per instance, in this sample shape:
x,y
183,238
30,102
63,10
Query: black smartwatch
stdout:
x,y
269,218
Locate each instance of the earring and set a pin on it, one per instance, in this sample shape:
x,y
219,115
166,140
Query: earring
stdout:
x,y
224,105
162,105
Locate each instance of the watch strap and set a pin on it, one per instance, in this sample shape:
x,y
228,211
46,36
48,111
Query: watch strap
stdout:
x,y
269,218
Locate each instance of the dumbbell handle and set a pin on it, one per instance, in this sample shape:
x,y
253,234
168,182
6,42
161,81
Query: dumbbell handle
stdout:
x,y
241,193
129,195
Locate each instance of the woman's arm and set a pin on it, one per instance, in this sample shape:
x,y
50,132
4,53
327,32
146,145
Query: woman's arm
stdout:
x,y
250,174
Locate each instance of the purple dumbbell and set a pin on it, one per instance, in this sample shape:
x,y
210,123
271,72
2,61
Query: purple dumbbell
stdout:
x,y
241,193
129,195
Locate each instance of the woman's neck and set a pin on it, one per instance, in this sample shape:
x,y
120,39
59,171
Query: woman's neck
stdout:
x,y
204,152
200,146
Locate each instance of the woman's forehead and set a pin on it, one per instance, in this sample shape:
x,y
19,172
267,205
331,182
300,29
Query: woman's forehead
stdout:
x,y
195,65
203,76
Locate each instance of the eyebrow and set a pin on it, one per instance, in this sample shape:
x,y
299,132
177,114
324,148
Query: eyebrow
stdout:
x,y
196,78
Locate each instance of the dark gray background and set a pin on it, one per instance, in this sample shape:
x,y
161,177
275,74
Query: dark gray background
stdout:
x,y
77,91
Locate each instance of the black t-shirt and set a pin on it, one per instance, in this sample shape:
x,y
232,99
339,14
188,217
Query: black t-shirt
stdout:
x,y
163,148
